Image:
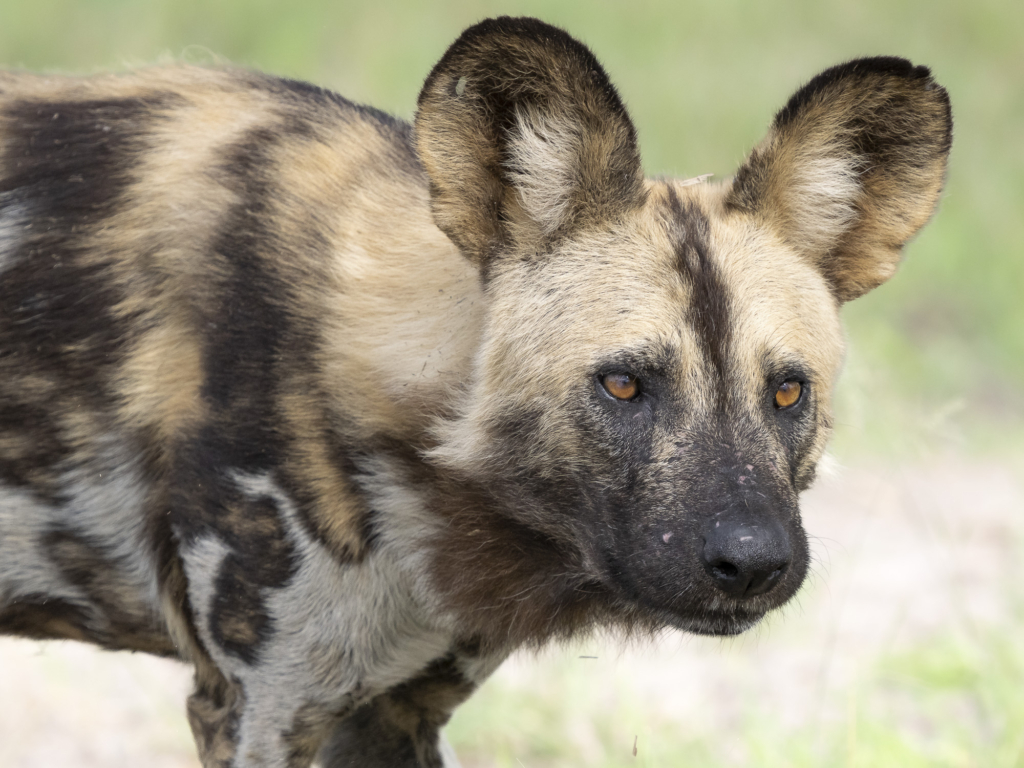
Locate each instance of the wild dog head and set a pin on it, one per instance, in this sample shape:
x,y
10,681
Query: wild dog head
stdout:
x,y
654,386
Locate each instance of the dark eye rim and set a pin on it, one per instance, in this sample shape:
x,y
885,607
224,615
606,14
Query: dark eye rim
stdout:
x,y
805,387
600,376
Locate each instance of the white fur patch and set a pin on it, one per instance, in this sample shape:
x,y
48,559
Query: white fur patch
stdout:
x,y
202,560
104,508
448,757
822,200
27,570
107,503
544,152
14,220
405,525
829,467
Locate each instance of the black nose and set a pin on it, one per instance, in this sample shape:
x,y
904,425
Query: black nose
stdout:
x,y
744,557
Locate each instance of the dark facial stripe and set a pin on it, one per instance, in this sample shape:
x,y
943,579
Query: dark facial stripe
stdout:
x,y
708,313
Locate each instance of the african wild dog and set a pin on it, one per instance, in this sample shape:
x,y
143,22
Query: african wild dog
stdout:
x,y
342,410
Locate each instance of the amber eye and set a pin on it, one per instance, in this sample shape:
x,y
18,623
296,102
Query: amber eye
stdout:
x,y
621,386
788,394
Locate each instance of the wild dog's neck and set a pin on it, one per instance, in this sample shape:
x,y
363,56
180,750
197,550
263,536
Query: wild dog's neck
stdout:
x,y
404,321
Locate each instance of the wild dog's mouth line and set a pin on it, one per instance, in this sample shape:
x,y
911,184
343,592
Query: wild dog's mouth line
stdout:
x,y
709,615
711,622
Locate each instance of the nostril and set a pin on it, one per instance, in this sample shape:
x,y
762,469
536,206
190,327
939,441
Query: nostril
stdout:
x,y
725,571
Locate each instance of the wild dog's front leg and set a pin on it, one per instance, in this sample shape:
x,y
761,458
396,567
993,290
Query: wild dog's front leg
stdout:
x,y
214,709
384,734
219,712
300,636
402,727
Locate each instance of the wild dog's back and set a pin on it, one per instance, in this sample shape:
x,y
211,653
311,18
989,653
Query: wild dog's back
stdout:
x,y
168,290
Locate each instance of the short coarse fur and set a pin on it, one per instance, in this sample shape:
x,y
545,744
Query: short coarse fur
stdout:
x,y
342,411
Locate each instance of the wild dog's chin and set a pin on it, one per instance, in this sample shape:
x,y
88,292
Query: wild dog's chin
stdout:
x,y
715,623
719,625
710,621
709,614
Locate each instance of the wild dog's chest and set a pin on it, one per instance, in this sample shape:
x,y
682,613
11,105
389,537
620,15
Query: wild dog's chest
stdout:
x,y
277,608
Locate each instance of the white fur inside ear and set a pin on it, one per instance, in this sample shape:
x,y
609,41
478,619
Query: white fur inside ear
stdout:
x,y
822,200
544,153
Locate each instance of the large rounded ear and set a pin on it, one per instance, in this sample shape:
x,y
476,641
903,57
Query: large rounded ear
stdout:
x,y
524,139
852,168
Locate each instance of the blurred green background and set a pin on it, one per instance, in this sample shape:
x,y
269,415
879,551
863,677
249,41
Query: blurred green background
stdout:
x,y
936,366
937,358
